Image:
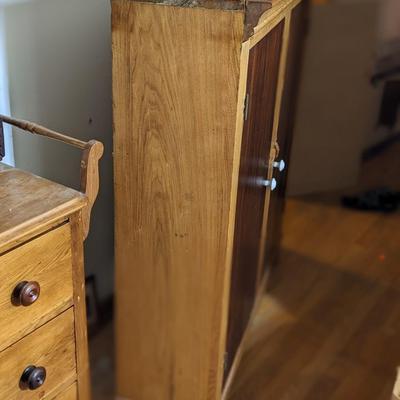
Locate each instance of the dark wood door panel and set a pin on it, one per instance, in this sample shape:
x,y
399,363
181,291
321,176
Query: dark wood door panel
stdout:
x,y
298,28
256,143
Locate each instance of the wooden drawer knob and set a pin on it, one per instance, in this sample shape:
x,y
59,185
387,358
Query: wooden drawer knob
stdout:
x,y
32,378
26,293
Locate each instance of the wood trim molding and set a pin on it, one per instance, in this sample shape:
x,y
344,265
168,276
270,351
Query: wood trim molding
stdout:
x,y
81,336
36,226
239,353
272,18
273,151
396,389
244,61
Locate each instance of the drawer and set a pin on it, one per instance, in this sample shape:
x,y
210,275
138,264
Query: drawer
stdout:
x,y
52,347
46,260
70,394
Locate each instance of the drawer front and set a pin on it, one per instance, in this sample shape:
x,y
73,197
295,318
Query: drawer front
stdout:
x,y
52,347
70,394
46,260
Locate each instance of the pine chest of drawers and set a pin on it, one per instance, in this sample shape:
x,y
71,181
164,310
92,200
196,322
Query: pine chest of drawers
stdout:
x,y
43,336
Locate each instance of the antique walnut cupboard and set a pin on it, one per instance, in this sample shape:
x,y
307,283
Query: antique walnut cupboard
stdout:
x,y
198,93
43,336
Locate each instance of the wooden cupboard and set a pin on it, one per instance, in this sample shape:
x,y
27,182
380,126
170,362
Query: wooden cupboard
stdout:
x,y
197,94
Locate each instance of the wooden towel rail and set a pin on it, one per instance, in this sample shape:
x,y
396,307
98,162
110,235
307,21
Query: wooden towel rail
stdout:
x,y
92,153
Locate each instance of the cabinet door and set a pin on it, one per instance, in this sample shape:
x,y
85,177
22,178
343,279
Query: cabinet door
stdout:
x,y
262,79
298,28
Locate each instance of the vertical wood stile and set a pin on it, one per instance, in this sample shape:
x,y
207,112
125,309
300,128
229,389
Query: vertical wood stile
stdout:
x,y
81,337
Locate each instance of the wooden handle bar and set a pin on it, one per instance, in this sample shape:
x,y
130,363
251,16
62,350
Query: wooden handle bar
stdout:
x,y
92,153
42,131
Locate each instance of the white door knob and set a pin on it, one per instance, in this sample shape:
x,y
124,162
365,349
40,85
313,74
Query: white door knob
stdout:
x,y
281,165
269,183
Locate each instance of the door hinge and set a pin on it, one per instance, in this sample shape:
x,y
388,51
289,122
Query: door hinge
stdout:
x,y
246,107
225,361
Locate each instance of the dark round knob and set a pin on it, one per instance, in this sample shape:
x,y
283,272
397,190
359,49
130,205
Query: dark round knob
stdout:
x,y
33,377
26,293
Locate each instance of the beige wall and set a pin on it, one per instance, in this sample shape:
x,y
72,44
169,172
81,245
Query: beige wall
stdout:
x,y
337,106
389,20
388,33
59,63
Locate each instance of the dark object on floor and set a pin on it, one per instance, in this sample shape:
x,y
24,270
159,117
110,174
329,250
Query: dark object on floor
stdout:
x,y
382,199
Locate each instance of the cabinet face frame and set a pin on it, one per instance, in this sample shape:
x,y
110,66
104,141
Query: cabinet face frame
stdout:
x,y
262,30
287,118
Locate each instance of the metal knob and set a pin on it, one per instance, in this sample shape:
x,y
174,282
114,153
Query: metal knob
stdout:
x,y
269,183
281,165
26,293
33,378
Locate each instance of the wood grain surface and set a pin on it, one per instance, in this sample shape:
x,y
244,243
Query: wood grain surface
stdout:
x,y
396,388
279,11
69,394
274,150
79,297
90,179
176,74
46,260
240,116
52,347
254,164
30,204
92,152
231,376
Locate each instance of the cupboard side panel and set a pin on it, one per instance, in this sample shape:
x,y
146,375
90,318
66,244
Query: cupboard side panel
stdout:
x,y
175,78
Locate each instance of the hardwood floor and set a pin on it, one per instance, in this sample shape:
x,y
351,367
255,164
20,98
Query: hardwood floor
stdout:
x,y
328,327
102,364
